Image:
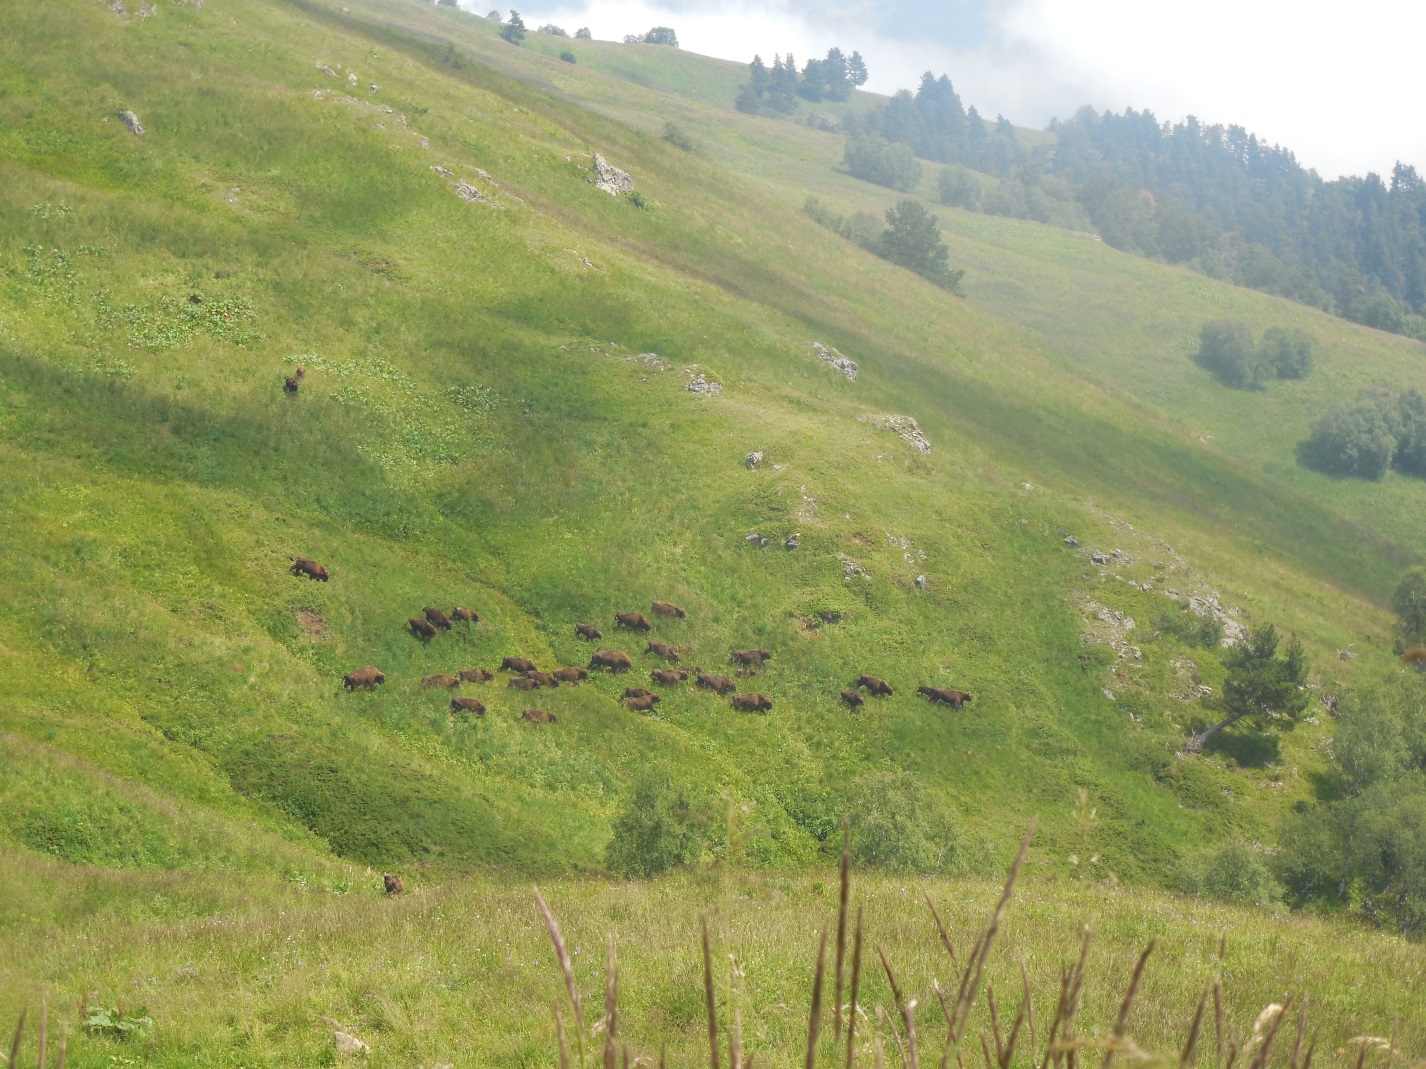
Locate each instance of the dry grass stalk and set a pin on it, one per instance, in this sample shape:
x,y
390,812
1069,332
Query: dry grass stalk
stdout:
x,y
1028,1003
1190,1048
814,1018
842,927
1071,983
44,1030
876,1050
1128,1003
15,1044
882,1015
567,967
856,985
907,1008
1218,1012
1301,1033
1311,1050
941,931
611,1005
985,1051
708,994
735,1039
1261,1060
559,1034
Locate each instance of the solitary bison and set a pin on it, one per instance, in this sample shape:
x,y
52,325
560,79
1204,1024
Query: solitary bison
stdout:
x,y
874,685
570,675
289,383
721,684
663,649
752,657
437,617
542,679
449,682
468,705
954,698
752,703
634,621
393,884
367,677
668,675
644,704
614,660
666,608
853,699
465,616
588,632
517,664
522,683
308,567
421,629
476,675
539,716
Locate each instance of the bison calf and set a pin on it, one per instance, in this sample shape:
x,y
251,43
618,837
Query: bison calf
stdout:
x,y
634,621
752,703
668,675
308,567
570,675
393,884
449,682
853,699
437,617
465,616
476,675
752,657
542,679
522,683
663,649
421,629
954,698
539,716
367,677
614,660
468,705
644,704
517,664
667,608
635,692
588,632
875,685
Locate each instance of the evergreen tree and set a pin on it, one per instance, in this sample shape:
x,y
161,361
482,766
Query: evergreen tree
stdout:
x,y
514,30
856,70
583,34
661,35
1262,689
913,240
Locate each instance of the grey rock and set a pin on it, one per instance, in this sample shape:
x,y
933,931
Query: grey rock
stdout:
x,y
793,541
758,540
704,387
905,429
753,459
1099,558
466,191
845,365
129,119
610,179
921,582
1071,541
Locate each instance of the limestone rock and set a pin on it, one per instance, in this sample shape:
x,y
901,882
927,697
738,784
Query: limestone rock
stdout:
x,y
758,540
466,191
610,179
752,460
349,1044
129,119
845,365
905,428
793,541
704,387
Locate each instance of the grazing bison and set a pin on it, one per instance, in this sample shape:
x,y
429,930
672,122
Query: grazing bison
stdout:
x,y
752,657
721,684
465,616
517,664
666,608
668,675
635,692
614,660
468,705
539,716
476,675
308,567
449,682
634,621
570,675
394,885
874,685
588,632
542,679
954,698
522,683
752,703
853,699
301,373
367,677
644,704
437,617
746,673
289,383
663,649
421,629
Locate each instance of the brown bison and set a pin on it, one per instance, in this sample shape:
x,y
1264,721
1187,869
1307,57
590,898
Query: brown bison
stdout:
x,y
367,677
667,608
746,673
634,621
449,682
954,698
874,685
421,629
522,683
588,632
437,617
462,615
644,704
614,660
752,703
752,657
468,705
308,567
539,716
635,692
517,664
721,684
301,373
668,675
289,383
570,675
393,884
853,699
542,679
663,649
476,675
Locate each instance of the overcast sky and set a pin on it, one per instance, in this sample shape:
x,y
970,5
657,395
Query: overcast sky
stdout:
x,y
1338,84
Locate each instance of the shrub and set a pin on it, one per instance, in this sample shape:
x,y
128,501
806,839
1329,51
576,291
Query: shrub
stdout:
x,y
661,35
886,163
514,30
1288,353
958,189
897,825
1226,350
1195,630
1352,439
676,136
1233,873
568,57
657,832
553,30
1409,601
583,34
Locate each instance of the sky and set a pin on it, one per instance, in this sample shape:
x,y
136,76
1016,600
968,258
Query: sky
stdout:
x,y
1337,84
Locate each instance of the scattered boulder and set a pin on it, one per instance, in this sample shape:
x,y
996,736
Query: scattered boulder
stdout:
x,y
610,179
348,1043
1070,540
325,69
467,192
850,568
845,365
444,172
758,540
921,582
794,540
129,119
752,460
905,428
703,386
148,11
1098,558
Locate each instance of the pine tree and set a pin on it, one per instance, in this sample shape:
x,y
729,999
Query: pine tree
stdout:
x,y
514,30
856,70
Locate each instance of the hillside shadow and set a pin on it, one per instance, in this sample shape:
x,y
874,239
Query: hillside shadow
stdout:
x,y
1256,750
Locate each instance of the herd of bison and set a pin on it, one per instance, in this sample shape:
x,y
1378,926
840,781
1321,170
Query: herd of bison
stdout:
x,y
527,675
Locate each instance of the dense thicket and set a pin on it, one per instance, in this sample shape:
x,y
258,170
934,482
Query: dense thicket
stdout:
x,y
1227,349
1365,437
775,89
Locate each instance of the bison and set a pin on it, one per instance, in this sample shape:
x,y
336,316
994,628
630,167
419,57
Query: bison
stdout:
x,y
517,664
874,685
301,373
539,716
367,677
468,705
752,703
663,649
449,682
614,660
308,567
522,683
289,383
635,692
421,629
542,679
954,698
853,699
746,673
393,884
668,675
752,657
644,704
465,616
570,675
721,684
634,621
437,617
666,608
476,675
588,632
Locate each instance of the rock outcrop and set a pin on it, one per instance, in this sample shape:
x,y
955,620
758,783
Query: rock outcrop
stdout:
x,y
844,364
905,428
610,179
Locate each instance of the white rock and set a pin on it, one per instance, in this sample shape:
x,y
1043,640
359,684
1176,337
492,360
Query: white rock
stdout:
x,y
129,119
905,429
349,1044
610,179
845,365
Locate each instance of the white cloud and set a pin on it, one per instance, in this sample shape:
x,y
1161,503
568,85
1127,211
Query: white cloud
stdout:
x,y
1337,85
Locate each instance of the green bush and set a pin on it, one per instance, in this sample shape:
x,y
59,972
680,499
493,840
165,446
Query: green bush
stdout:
x,y
568,57
658,831
886,163
1290,353
1233,873
958,189
1195,630
676,136
1409,601
896,824
1353,439
1226,349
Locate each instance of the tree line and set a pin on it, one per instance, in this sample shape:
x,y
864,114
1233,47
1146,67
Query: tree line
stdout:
x,y
776,89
